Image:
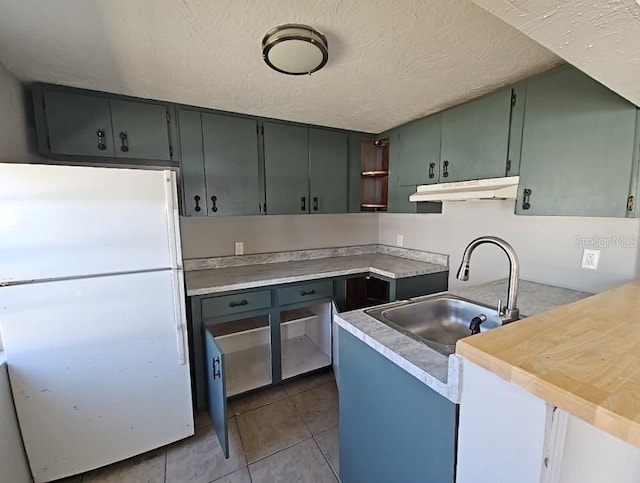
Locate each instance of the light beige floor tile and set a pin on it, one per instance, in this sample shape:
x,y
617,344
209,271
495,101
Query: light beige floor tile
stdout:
x,y
200,458
318,407
240,476
201,420
270,428
146,468
308,382
255,400
302,463
329,444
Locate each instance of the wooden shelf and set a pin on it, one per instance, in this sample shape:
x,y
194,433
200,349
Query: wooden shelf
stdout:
x,y
373,205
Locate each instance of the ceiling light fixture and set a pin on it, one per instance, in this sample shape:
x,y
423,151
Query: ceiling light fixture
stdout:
x,y
295,49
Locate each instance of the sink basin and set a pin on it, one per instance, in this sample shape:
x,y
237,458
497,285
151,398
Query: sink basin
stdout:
x,y
438,321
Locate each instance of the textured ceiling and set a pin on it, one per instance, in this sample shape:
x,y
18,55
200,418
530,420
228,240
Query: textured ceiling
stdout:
x,y
600,37
391,61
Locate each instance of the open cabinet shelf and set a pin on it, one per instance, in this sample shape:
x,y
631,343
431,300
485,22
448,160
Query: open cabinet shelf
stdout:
x,y
375,174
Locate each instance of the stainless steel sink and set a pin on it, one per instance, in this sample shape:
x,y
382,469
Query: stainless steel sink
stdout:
x,y
438,320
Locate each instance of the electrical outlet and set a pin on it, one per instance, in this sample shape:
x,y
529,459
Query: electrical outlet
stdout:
x,y
590,259
239,248
400,240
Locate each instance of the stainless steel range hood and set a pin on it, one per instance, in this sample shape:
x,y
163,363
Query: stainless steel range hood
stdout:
x,y
479,189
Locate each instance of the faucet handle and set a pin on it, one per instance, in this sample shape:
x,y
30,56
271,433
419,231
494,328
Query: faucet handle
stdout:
x,y
499,308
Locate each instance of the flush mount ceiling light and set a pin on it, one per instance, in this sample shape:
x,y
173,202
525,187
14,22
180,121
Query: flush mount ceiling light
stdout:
x,y
295,49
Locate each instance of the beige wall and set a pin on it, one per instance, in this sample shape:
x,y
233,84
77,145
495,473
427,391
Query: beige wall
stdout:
x,y
15,138
546,246
210,237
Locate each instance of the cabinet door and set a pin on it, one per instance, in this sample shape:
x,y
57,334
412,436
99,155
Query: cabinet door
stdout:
x,y
216,388
392,426
192,163
577,147
140,130
231,165
328,171
78,124
475,138
419,152
286,158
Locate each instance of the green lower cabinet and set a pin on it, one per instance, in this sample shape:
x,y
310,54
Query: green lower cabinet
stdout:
x,y
392,426
475,138
577,147
216,388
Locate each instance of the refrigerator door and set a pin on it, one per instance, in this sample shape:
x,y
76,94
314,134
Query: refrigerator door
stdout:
x,y
69,221
95,369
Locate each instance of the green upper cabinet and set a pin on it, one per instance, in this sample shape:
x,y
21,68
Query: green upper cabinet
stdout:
x,y
475,138
78,124
286,166
219,164
71,122
577,147
231,164
328,166
418,152
305,169
140,130
192,163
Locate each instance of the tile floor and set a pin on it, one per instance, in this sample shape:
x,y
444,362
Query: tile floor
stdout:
x,y
283,434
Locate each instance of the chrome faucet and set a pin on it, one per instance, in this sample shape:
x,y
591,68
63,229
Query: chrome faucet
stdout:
x,y
509,313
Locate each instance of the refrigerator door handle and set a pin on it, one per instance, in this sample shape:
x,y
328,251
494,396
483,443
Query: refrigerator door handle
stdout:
x,y
173,219
180,315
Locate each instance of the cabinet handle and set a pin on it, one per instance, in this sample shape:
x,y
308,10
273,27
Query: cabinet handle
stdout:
x,y
238,304
101,145
445,169
315,203
216,371
214,207
526,199
197,209
303,203
431,168
307,292
125,142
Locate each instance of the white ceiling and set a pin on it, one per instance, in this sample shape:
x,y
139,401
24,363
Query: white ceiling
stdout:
x,y
390,61
600,37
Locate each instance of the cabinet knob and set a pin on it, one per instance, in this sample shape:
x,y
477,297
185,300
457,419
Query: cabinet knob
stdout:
x,y
101,145
431,170
238,304
197,209
124,146
303,203
445,169
215,366
307,292
214,206
526,198
315,203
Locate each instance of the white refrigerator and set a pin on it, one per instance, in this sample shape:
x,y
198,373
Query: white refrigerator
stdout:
x,y
92,314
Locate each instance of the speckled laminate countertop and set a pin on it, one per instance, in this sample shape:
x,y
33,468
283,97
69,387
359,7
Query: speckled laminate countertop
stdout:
x,y
216,280
436,370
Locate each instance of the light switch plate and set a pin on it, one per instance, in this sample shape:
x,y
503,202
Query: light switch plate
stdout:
x,y
400,240
590,259
239,248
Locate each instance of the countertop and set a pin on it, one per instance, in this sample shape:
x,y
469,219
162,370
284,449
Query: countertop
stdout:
x,y
436,370
216,280
583,357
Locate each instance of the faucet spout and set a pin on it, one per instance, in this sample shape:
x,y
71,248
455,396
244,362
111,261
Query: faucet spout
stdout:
x,y
511,311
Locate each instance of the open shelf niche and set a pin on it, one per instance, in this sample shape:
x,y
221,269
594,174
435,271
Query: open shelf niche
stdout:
x,y
375,174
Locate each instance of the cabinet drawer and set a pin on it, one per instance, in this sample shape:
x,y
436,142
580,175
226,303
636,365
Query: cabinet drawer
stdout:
x,y
233,304
305,291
